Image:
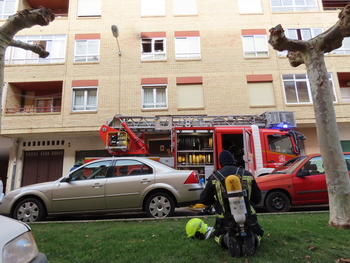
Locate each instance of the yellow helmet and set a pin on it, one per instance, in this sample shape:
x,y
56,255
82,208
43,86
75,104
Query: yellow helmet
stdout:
x,y
196,228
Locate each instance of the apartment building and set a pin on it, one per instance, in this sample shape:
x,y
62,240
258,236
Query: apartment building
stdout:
x,y
170,57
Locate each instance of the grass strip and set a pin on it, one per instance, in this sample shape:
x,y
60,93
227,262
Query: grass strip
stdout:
x,y
289,237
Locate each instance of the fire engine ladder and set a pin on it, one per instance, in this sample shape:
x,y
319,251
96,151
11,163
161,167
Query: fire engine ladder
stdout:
x,y
167,122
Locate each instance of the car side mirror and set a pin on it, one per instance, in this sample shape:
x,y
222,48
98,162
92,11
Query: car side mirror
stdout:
x,y
66,179
303,173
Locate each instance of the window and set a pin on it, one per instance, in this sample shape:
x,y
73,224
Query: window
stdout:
x,y
344,84
153,46
260,89
190,96
297,88
154,97
300,34
344,49
255,46
190,92
84,99
187,46
48,105
185,7
345,94
131,167
7,8
313,166
249,6
293,5
152,7
89,8
95,170
87,48
55,44
280,144
261,94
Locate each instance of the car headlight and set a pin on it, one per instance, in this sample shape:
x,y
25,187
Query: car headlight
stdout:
x,y
22,249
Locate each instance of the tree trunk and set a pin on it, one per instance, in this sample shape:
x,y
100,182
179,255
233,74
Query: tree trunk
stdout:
x,y
337,177
311,53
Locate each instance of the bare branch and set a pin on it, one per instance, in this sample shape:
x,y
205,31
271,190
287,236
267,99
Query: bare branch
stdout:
x,y
26,19
295,58
279,41
333,37
36,48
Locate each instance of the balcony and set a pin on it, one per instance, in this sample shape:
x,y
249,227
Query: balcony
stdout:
x,y
333,4
33,110
58,7
34,97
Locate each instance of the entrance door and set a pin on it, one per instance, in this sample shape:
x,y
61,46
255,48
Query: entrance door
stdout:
x,y
42,166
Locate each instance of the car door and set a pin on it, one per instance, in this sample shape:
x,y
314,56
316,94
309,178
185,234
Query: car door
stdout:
x,y
310,186
84,191
130,180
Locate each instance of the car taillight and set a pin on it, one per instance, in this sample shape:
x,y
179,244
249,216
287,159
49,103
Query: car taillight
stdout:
x,y
193,178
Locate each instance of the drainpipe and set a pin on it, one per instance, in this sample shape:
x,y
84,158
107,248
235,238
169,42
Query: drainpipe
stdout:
x,y
14,166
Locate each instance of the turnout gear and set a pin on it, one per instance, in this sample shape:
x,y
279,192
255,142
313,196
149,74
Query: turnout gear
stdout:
x,y
196,228
234,192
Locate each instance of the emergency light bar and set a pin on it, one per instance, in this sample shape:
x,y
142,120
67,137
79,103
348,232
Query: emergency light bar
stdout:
x,y
284,120
282,126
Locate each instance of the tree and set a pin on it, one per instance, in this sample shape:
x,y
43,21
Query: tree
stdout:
x,y
17,22
311,53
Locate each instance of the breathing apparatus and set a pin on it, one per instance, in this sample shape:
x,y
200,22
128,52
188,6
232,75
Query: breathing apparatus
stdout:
x,y
235,195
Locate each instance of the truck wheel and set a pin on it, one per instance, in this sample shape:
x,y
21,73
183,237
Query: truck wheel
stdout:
x,y
277,202
160,205
29,210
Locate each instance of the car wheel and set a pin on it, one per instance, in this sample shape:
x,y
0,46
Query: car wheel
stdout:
x,y
160,205
277,202
29,210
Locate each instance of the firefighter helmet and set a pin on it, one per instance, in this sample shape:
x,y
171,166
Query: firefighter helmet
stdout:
x,y
196,228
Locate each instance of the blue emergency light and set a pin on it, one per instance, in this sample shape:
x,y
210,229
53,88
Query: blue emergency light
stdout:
x,y
281,126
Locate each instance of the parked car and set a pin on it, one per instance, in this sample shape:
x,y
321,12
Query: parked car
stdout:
x,y
107,185
17,243
1,191
299,181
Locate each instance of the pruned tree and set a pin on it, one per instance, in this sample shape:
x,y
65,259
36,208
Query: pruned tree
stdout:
x,y
17,22
311,53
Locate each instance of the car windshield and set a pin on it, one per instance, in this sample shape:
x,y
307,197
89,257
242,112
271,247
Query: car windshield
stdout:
x,y
289,166
280,143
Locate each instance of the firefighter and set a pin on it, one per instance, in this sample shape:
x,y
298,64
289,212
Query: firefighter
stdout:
x,y
237,230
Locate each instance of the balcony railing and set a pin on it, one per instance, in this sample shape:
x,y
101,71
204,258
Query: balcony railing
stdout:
x,y
34,110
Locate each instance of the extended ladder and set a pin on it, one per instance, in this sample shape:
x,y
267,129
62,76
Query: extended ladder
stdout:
x,y
167,122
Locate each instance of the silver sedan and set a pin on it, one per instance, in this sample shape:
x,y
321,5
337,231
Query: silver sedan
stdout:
x,y
107,185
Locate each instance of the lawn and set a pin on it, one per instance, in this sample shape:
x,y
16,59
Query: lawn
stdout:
x,y
289,237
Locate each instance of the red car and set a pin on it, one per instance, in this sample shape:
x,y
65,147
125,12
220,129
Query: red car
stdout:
x,y
299,181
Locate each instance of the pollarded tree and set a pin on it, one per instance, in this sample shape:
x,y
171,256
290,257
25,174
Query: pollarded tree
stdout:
x,y
311,53
17,22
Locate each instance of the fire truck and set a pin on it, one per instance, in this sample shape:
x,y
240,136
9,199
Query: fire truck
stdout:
x,y
259,143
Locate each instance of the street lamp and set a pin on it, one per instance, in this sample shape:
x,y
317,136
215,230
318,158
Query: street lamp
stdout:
x,y
115,33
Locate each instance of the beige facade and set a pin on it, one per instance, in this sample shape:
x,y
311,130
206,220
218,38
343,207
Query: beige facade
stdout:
x,y
229,80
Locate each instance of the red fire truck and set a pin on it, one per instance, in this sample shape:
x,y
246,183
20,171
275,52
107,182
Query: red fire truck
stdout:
x,y
259,143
